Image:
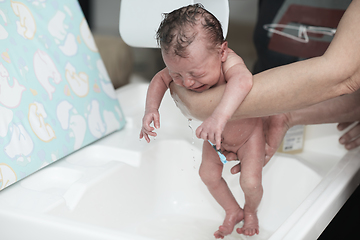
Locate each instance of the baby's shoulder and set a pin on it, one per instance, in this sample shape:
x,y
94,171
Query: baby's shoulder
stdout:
x,y
232,59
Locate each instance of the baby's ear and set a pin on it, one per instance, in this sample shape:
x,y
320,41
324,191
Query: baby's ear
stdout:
x,y
224,51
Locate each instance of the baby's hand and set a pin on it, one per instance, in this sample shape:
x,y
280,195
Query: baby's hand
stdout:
x,y
211,129
150,116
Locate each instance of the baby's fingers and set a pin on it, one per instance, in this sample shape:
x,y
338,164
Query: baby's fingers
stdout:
x,y
151,133
156,121
145,136
211,138
203,134
147,128
218,140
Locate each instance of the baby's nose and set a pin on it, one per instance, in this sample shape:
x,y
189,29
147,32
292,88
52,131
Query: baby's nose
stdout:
x,y
188,82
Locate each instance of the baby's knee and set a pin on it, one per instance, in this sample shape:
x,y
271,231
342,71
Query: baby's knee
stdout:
x,y
209,177
250,184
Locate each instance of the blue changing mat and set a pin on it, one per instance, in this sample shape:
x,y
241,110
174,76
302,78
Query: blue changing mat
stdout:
x,y
55,94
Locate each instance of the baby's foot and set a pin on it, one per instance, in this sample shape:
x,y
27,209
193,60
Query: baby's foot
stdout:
x,y
251,225
231,219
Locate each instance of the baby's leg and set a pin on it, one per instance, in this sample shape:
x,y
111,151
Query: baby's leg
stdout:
x,y
211,174
252,156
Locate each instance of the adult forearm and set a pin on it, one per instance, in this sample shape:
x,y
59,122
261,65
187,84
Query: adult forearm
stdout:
x,y
341,109
289,88
196,105
274,91
298,85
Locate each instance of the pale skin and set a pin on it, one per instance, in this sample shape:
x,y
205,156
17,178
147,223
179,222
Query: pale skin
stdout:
x,y
344,110
311,91
201,70
245,139
300,84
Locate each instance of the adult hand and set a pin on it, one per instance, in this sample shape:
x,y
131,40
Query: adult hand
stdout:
x,y
275,128
350,139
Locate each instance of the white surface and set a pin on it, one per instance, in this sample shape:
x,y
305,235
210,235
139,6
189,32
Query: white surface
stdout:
x,y
139,19
126,189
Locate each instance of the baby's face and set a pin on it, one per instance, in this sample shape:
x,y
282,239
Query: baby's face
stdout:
x,y
201,70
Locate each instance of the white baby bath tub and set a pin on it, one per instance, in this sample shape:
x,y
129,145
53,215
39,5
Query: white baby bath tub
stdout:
x,y
125,189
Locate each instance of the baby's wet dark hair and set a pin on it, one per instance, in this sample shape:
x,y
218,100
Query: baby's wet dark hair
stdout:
x,y
177,30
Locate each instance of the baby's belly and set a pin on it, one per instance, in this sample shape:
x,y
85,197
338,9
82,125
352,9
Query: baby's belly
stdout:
x,y
237,132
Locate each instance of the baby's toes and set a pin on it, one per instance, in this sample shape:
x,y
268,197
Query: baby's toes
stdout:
x,y
218,235
250,232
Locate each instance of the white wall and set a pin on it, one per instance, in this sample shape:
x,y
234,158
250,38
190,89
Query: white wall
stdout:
x,y
106,14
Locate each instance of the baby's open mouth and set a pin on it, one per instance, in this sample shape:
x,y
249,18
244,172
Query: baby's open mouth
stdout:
x,y
200,88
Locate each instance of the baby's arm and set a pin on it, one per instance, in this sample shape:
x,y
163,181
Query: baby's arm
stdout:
x,y
157,88
239,84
